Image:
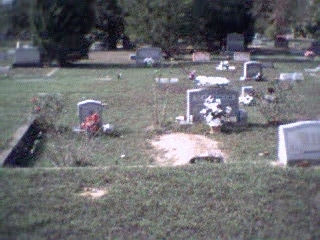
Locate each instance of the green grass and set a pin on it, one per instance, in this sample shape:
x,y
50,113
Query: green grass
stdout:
x,y
243,198
203,202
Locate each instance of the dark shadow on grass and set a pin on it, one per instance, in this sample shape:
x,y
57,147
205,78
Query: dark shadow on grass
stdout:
x,y
231,127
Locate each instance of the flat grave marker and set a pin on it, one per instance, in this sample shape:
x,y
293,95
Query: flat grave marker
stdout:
x,y
295,76
298,142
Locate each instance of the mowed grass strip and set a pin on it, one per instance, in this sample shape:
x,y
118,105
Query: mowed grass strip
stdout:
x,y
207,201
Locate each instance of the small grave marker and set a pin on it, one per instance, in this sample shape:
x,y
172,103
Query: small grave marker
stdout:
x,y
201,57
252,70
298,142
241,56
87,108
153,53
197,97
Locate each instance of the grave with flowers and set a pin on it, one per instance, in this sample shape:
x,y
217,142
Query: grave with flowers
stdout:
x,y
214,106
90,116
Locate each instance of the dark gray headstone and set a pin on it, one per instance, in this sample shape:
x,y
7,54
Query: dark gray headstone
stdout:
x,y
148,52
235,42
197,97
299,141
89,107
27,56
252,70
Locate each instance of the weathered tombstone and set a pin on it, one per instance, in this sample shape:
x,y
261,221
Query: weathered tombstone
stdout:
x,y
201,57
153,53
295,76
87,108
197,97
27,57
241,56
235,42
298,142
252,70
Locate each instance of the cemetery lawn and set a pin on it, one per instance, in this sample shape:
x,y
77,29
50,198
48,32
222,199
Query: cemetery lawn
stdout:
x,y
245,197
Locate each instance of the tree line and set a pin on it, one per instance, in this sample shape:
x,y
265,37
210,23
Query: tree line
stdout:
x,y
58,25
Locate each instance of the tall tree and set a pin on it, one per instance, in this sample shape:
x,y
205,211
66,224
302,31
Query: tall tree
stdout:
x,y
60,26
274,17
110,21
160,23
218,18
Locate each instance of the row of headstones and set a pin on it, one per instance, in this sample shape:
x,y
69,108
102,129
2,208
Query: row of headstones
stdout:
x,y
297,141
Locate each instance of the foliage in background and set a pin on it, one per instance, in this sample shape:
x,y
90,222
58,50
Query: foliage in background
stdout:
x,y
59,27
285,16
160,23
110,22
215,19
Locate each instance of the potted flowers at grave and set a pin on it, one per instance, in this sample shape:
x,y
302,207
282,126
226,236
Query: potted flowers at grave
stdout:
x,y
214,115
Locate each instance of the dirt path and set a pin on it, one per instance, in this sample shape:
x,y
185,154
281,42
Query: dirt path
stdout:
x,y
179,148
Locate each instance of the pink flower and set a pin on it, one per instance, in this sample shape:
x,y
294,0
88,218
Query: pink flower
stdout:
x,y
37,109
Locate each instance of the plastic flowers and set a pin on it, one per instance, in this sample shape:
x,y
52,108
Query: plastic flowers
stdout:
x,y
91,124
213,112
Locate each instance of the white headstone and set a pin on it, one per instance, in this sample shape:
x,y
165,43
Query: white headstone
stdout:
x,y
299,141
241,56
27,56
153,53
201,57
252,70
88,107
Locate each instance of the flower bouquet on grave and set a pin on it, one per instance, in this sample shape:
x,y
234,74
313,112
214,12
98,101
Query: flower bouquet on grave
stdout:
x,y
214,115
92,124
149,62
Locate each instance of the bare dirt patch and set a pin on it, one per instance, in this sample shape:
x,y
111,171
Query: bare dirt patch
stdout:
x,y
179,148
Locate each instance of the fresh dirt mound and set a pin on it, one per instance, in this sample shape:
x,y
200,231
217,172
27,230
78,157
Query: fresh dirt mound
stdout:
x,y
179,148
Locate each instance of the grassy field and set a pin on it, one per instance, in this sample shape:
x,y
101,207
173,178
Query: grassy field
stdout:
x,y
243,198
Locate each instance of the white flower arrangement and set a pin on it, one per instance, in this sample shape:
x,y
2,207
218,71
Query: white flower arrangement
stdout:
x,y
246,100
213,113
149,62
